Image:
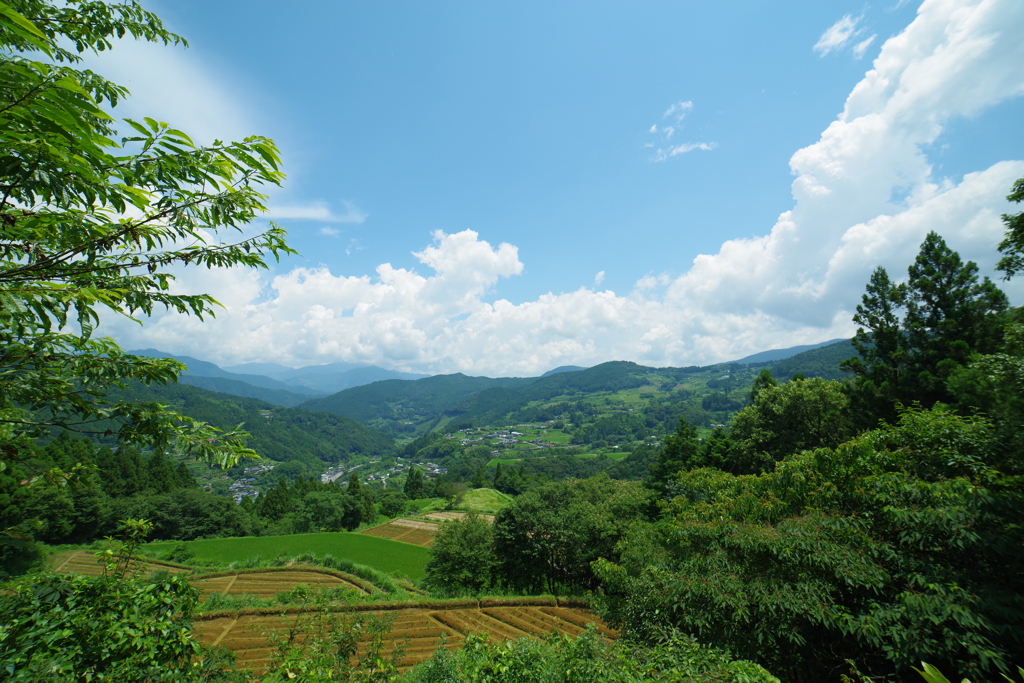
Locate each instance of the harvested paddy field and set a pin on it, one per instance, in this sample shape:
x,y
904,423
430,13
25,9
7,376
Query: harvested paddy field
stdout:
x,y
448,516
416,531
87,563
417,629
266,583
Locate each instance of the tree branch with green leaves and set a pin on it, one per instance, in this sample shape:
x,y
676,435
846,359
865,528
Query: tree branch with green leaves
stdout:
x,y
93,226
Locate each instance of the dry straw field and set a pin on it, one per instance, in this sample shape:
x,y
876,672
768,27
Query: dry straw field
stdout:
x,y
415,531
417,629
268,582
420,531
87,563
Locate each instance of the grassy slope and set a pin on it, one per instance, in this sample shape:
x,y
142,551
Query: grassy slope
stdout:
x,y
484,501
388,556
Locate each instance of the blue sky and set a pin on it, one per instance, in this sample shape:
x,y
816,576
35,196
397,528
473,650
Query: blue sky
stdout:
x,y
669,183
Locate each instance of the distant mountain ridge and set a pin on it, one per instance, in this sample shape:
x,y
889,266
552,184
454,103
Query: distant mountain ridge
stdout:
x,y
563,368
782,354
283,372
401,406
285,386
411,406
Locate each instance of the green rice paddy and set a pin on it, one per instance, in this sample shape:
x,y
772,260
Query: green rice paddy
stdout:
x,y
392,557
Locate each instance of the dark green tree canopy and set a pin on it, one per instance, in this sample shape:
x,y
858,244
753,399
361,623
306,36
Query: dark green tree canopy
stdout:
x,y
462,559
786,419
1012,245
900,546
914,335
414,485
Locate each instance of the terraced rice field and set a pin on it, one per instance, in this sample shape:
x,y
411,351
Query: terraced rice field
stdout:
x,y
266,583
394,558
261,583
87,563
415,531
417,630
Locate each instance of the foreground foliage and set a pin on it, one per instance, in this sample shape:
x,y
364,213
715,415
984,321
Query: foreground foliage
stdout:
x,y
900,546
91,225
114,627
561,659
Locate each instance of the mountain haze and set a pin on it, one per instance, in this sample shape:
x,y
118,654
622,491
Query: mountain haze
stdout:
x,y
276,383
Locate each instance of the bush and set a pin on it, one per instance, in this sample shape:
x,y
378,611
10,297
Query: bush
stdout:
x,y
462,559
901,546
105,628
673,659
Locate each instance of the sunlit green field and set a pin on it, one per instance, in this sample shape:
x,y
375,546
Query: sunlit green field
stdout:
x,y
612,456
484,501
388,556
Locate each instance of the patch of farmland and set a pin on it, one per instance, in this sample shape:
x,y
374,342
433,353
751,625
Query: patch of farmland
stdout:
x,y
380,553
266,583
415,531
418,628
448,516
484,501
88,563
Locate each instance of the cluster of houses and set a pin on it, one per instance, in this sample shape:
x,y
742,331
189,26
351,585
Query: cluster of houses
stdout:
x,y
400,467
430,470
504,437
246,486
339,471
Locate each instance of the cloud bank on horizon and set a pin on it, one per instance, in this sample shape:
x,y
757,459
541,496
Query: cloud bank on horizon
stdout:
x,y
864,195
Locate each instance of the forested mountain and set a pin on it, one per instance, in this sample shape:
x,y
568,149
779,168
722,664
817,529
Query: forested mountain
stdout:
x,y
493,404
819,362
782,354
402,405
278,433
279,397
705,395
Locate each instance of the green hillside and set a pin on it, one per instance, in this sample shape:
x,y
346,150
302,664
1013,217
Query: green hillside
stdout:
x,y
279,397
398,406
820,362
277,433
496,403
